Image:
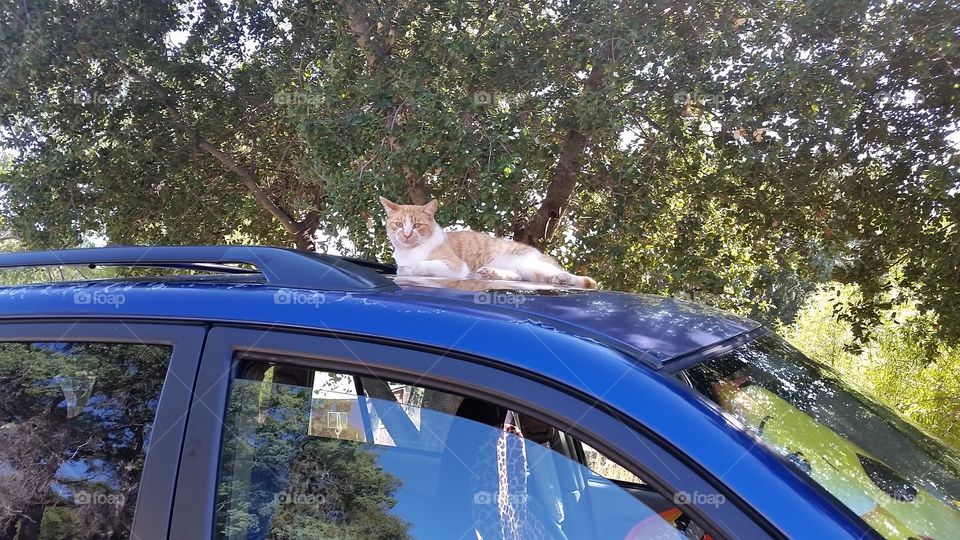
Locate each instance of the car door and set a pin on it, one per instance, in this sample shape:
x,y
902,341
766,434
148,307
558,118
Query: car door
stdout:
x,y
292,434
92,416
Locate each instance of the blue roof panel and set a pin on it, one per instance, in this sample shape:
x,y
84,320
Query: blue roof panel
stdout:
x,y
652,328
662,328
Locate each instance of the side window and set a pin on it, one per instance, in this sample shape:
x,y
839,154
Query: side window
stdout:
x,y
75,423
314,454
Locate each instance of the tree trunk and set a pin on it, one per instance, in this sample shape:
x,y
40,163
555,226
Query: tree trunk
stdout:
x,y
416,188
436,400
8,527
376,52
373,49
304,242
538,230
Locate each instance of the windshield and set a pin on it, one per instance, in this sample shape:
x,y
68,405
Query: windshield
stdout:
x,y
902,482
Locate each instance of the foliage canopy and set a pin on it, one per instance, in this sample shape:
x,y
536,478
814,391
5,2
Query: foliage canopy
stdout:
x,y
731,151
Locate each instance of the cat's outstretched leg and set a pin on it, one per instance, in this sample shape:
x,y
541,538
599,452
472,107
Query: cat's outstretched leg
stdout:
x,y
489,272
547,273
435,268
566,278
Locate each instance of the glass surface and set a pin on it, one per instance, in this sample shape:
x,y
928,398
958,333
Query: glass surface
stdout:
x,y
606,467
902,482
316,460
75,422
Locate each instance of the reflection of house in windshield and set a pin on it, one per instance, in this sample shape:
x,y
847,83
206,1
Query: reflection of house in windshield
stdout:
x,y
337,419
335,409
336,412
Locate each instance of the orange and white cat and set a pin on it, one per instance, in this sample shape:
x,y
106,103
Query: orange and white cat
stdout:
x,y
422,248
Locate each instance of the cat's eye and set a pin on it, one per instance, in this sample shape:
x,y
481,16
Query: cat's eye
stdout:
x,y
418,226
397,224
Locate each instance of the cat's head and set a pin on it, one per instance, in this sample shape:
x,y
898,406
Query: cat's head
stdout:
x,y
409,225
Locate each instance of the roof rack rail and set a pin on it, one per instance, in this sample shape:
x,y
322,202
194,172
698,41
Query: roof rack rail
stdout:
x,y
280,267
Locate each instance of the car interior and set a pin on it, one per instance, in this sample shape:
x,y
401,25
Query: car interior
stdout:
x,y
475,469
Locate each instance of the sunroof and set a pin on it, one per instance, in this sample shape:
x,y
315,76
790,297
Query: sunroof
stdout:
x,y
278,266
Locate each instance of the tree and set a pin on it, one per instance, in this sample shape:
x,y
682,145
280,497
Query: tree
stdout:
x,y
903,363
733,152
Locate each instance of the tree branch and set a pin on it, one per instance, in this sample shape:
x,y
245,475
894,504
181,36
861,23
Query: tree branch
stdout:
x,y
374,50
246,175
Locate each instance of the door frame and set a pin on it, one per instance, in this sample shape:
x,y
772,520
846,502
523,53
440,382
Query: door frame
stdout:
x,y
590,421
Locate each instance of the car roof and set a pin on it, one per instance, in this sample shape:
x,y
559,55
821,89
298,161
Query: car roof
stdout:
x,y
661,328
653,329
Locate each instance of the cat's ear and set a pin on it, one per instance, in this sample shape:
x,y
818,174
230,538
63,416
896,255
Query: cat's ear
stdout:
x,y
389,205
430,207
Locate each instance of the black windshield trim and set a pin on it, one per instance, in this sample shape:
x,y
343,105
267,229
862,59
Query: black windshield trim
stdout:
x,y
709,352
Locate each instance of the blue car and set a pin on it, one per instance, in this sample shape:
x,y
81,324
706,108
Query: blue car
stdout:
x,y
259,392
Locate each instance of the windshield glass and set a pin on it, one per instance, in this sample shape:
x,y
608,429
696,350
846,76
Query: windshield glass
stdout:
x,y
902,482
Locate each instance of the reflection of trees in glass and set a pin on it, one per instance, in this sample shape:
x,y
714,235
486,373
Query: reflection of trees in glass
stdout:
x,y
896,478
71,462
278,482
902,364
338,491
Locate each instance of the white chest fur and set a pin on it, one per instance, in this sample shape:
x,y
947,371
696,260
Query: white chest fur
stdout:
x,y
411,256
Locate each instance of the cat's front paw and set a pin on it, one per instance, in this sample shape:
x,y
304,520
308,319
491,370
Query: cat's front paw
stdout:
x,y
485,272
405,271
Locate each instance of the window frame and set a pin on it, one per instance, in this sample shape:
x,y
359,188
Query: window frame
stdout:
x,y
161,463
577,416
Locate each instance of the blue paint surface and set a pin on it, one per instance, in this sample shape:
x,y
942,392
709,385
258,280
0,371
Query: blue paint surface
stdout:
x,y
606,345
